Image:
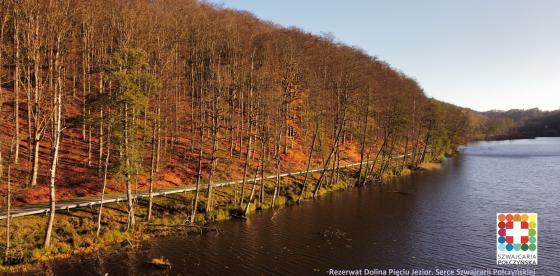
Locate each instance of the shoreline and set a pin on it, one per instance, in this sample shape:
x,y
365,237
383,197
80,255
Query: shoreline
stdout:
x,y
72,238
39,208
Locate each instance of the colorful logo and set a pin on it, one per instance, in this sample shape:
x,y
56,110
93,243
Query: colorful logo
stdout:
x,y
517,238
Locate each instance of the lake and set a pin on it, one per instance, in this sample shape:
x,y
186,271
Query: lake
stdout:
x,y
431,219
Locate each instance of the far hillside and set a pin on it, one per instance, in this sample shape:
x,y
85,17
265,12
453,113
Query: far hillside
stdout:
x,y
521,124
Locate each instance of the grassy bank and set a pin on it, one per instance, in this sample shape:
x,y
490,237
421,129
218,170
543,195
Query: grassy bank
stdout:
x,y
75,230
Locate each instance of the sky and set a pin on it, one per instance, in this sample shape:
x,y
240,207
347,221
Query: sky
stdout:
x,y
481,54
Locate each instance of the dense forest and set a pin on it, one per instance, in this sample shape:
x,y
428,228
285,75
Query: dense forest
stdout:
x,y
105,96
522,124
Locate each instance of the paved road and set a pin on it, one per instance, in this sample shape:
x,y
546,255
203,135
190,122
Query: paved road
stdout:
x,y
39,208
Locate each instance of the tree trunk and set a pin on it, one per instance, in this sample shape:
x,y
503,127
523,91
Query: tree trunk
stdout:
x,y
337,160
404,158
213,158
152,171
36,111
57,118
35,166
325,168
277,183
415,149
363,144
200,153
214,163
89,159
263,160
16,89
372,167
8,211
100,156
304,185
247,162
252,192
104,182
366,169
387,160
426,142
131,220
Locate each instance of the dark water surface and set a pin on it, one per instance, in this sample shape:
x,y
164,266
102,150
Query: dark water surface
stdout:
x,y
447,220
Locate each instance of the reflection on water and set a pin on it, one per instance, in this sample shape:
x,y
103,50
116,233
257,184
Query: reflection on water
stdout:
x,y
442,219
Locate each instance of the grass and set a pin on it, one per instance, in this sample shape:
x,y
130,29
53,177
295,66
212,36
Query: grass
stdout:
x,y
75,230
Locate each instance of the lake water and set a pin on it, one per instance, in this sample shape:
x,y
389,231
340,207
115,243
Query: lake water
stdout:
x,y
439,219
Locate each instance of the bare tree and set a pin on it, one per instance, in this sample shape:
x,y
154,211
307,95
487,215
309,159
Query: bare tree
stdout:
x,y
59,36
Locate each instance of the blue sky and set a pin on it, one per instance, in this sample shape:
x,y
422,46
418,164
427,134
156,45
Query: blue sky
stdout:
x,y
482,54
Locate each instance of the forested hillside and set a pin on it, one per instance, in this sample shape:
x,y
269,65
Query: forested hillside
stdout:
x,y
110,95
522,124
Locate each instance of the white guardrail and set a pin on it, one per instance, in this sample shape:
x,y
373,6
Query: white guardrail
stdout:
x,y
34,209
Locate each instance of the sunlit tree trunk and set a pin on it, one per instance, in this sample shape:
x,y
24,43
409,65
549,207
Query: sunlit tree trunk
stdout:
x,y
152,171
105,171
277,182
57,119
246,210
